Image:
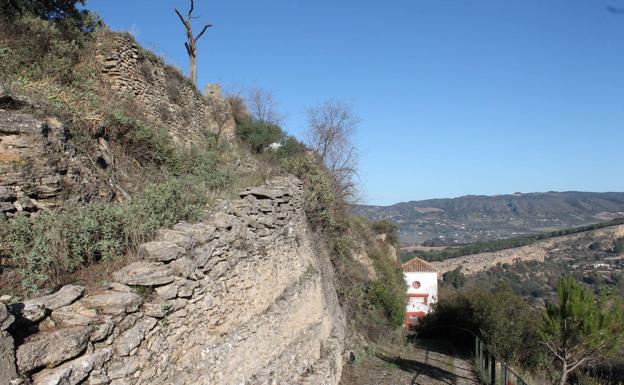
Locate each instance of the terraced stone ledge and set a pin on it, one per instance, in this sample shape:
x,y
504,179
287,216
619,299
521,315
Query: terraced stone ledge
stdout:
x,y
240,298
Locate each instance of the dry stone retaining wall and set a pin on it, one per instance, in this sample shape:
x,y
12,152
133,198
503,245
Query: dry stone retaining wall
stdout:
x,y
163,94
243,298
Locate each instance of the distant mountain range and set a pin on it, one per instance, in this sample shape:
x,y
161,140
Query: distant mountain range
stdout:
x,y
477,217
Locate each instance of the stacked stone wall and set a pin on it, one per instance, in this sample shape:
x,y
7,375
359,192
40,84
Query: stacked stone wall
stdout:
x,y
162,92
245,297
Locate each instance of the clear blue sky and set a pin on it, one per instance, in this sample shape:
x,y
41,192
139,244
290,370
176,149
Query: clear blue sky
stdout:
x,y
456,97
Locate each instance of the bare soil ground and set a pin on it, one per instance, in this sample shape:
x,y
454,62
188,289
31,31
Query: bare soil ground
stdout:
x,y
427,363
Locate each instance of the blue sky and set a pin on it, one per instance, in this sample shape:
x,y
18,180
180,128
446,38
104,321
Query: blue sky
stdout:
x,y
456,97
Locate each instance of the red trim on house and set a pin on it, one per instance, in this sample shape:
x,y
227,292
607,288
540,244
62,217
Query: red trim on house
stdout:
x,y
408,323
422,295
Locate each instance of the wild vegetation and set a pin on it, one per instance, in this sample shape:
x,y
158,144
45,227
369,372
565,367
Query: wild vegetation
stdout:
x,y
582,330
377,305
576,332
47,55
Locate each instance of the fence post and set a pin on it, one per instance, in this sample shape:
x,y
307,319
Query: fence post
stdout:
x,y
477,357
487,366
481,362
503,374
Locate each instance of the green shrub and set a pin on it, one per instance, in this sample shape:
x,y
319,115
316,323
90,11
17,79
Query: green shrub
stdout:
x,y
455,278
290,147
388,291
319,196
32,48
501,318
201,162
389,228
63,12
258,135
618,246
47,248
148,144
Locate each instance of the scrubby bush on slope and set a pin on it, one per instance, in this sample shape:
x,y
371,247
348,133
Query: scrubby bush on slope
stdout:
x,y
502,319
49,58
46,248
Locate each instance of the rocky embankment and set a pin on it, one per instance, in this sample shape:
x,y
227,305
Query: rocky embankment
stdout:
x,y
475,263
245,297
38,163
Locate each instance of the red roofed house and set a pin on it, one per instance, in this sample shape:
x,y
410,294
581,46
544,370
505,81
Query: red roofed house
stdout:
x,y
422,290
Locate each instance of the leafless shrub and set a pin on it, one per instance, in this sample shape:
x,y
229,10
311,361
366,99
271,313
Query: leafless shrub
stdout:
x,y
263,106
164,112
238,108
332,126
147,70
173,85
222,115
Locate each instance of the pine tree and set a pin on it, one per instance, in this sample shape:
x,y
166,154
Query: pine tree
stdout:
x,y
582,329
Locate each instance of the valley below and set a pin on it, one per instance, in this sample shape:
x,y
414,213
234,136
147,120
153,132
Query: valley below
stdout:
x,y
468,219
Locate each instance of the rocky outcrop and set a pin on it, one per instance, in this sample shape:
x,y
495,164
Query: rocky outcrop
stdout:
x,y
245,297
39,166
162,92
8,370
475,263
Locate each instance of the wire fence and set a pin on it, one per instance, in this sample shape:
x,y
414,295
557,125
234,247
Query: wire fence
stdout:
x,y
491,370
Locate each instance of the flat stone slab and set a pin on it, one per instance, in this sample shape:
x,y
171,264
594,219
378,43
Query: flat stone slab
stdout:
x,y
65,296
145,273
113,302
133,337
160,251
6,318
264,193
74,372
52,348
74,315
28,310
8,371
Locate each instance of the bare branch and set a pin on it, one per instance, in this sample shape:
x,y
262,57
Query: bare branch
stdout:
x,y
331,130
202,32
180,16
192,7
191,41
263,106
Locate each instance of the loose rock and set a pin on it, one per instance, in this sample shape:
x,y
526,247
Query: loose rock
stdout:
x,y
160,251
52,348
145,274
113,302
73,372
65,296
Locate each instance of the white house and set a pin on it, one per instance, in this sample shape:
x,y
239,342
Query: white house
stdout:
x,y
422,290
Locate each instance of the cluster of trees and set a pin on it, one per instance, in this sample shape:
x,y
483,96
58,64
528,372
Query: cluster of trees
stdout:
x,y
579,330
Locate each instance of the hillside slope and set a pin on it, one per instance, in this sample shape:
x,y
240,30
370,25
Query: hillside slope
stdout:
x,y
133,249
478,218
595,257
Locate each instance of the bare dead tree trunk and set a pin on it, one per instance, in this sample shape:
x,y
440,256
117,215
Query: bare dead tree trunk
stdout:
x,y
191,40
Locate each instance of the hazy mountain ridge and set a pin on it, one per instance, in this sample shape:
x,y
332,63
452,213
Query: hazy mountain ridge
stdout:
x,y
478,217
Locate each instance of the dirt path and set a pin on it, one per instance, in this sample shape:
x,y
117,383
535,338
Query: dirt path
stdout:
x,y
430,363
